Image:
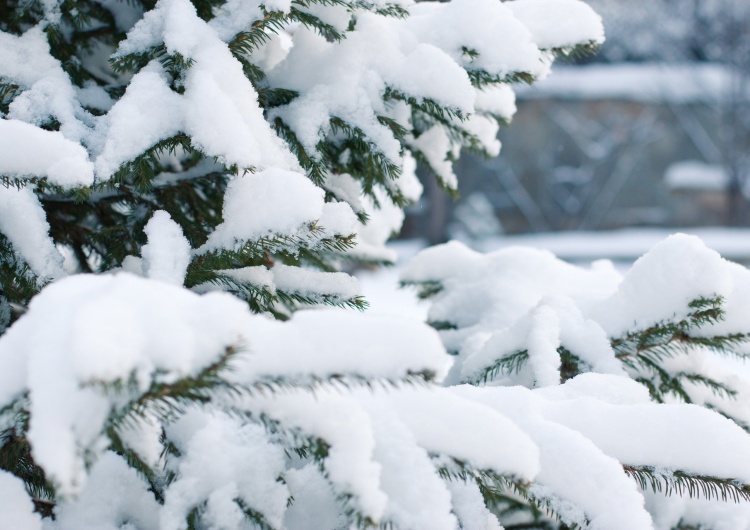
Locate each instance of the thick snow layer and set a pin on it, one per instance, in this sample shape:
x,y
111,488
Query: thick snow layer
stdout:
x,y
504,45
338,286
662,283
499,100
166,256
351,423
468,504
47,90
496,444
490,293
314,499
563,451
417,496
223,460
24,223
257,276
582,429
29,151
381,287
18,510
148,112
387,348
114,492
672,436
26,59
345,425
94,96
495,290
518,299
525,300
150,331
436,146
265,204
218,109
100,330
559,23
674,510
88,346
273,203
346,81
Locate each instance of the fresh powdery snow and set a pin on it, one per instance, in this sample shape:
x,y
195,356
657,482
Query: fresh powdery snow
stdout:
x,y
558,23
520,301
166,256
145,330
18,510
23,222
29,151
382,441
219,106
273,203
255,148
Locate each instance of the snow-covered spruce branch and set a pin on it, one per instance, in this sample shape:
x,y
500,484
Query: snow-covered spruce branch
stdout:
x,y
520,316
505,495
645,354
188,147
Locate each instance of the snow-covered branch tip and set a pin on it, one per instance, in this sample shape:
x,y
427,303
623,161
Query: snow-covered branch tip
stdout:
x,y
680,483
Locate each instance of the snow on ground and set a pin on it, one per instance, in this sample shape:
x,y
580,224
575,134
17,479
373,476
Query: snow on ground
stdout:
x,y
624,245
381,286
649,82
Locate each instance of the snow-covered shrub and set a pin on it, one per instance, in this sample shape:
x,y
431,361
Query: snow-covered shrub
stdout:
x,y
210,165
675,323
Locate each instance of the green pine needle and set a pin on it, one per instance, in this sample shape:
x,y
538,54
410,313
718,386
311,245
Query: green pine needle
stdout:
x,y
671,482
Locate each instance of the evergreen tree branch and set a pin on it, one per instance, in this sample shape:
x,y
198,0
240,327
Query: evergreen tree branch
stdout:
x,y
16,457
579,51
506,365
315,166
8,92
169,399
503,494
679,482
425,289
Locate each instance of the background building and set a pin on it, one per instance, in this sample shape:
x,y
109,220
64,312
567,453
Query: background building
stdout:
x,y
654,130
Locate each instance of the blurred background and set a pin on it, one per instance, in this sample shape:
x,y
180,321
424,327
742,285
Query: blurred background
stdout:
x,y
616,150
